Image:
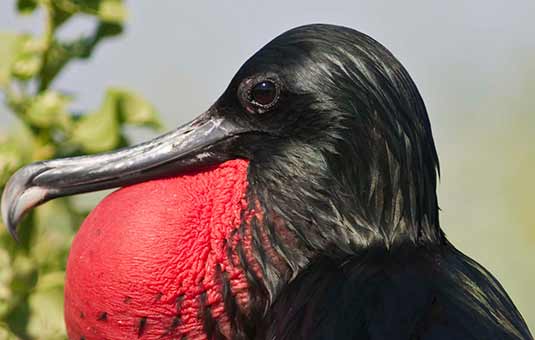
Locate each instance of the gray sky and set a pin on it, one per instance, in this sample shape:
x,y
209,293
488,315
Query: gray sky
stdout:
x,y
472,60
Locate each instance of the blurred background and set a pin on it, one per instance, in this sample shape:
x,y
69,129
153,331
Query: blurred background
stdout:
x,y
473,61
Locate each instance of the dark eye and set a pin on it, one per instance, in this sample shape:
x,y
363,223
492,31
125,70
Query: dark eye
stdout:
x,y
264,94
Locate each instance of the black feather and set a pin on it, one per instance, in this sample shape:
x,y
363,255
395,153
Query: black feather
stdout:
x,y
426,293
344,169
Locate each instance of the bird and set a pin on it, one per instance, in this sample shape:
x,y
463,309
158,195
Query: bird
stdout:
x,y
301,205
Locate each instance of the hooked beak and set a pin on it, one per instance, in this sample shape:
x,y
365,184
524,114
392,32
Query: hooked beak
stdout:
x,y
197,144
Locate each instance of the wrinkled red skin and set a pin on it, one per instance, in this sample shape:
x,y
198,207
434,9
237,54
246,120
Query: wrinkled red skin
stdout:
x,y
149,250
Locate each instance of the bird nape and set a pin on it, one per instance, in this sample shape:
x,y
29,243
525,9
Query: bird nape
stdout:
x,y
301,205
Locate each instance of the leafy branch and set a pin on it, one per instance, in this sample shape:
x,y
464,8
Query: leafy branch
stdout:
x,y
31,274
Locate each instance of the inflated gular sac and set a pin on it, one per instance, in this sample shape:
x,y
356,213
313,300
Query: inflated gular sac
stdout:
x,y
148,261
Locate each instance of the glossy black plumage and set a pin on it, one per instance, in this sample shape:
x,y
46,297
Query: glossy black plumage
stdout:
x,y
408,293
346,164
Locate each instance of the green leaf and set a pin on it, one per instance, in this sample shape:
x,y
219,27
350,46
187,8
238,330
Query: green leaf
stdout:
x,y
28,60
49,109
18,319
46,308
62,10
26,6
134,109
61,53
10,160
20,56
105,10
25,274
6,275
99,131
21,147
9,49
5,333
108,29
54,230
16,149
112,11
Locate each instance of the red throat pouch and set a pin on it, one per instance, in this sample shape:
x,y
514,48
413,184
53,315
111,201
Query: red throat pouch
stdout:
x,y
148,259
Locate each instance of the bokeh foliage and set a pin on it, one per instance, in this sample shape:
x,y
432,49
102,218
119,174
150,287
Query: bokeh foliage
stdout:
x,y
32,272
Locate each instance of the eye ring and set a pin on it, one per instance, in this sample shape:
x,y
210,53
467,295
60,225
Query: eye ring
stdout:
x,y
260,93
264,94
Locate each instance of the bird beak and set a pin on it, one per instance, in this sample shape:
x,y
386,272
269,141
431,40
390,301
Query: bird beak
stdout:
x,y
195,145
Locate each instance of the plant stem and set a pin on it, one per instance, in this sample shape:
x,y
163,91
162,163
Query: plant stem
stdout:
x,y
50,29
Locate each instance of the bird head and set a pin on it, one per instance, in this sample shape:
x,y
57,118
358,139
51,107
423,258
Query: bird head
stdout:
x,y
333,152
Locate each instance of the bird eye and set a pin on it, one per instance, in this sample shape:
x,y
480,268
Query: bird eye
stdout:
x,y
264,94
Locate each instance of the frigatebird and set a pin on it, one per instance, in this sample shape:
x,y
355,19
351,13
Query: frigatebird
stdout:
x,y
339,236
